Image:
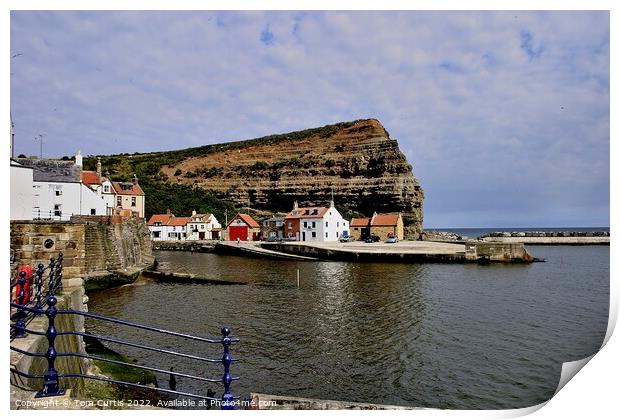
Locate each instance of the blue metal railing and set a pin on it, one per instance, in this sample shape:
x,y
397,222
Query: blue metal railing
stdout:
x,y
33,307
30,290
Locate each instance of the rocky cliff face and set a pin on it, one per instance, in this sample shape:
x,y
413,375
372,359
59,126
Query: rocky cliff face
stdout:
x,y
356,161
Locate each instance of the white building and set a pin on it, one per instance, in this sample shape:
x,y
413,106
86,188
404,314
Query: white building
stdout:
x,y
312,224
57,190
21,191
203,226
168,227
99,184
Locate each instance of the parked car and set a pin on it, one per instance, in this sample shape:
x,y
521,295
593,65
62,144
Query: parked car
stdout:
x,y
346,238
372,238
392,240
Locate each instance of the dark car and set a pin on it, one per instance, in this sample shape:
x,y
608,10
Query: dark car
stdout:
x,y
371,239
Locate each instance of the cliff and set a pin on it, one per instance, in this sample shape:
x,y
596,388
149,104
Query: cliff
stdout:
x,y
356,161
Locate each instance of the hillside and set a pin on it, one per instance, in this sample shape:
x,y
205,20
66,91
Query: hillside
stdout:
x,y
356,161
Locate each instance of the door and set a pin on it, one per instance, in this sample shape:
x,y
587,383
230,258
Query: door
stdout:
x,y
303,236
238,232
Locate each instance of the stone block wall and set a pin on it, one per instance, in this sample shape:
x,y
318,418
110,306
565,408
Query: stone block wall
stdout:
x,y
89,245
34,242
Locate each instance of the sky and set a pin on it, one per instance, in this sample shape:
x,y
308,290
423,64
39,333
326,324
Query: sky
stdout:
x,y
504,116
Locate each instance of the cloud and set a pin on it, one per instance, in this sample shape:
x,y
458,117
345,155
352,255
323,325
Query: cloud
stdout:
x,y
496,111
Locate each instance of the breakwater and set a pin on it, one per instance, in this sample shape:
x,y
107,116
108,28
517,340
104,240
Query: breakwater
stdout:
x,y
189,246
549,238
176,277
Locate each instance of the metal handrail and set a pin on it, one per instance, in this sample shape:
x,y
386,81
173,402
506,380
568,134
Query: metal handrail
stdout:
x,y
36,292
51,385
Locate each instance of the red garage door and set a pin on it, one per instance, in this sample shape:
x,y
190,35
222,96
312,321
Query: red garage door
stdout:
x,y
238,232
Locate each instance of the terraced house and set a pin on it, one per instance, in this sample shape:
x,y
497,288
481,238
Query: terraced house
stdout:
x,y
315,224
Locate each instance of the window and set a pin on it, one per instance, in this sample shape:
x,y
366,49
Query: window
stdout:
x,y
313,225
305,224
106,188
133,201
326,224
58,192
57,210
93,212
119,201
314,234
156,234
327,234
202,226
337,224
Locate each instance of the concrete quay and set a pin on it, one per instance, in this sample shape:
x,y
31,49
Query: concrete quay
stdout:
x,y
407,251
255,249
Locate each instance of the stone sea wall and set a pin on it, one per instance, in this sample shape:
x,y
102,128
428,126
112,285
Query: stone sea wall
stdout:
x,y
89,244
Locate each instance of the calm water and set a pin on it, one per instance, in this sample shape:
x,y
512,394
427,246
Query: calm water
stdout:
x,y
433,335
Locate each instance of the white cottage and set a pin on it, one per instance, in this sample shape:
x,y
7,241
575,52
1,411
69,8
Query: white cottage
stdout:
x,y
315,224
203,226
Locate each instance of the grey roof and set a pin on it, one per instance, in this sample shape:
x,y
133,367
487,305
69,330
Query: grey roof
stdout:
x,y
48,170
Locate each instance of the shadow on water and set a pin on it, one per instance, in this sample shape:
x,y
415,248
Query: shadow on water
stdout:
x,y
434,335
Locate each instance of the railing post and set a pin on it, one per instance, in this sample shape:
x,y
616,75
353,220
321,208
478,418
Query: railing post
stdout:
x,y
228,402
50,377
20,316
58,281
50,282
39,287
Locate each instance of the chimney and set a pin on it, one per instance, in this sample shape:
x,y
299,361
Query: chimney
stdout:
x,y
168,211
78,159
295,206
98,167
193,212
135,179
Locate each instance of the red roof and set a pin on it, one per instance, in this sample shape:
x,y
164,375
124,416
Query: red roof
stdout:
x,y
162,219
381,219
179,221
360,222
247,219
127,188
91,178
307,213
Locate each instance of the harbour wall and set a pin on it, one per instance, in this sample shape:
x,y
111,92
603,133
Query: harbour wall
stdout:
x,y
190,246
91,245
